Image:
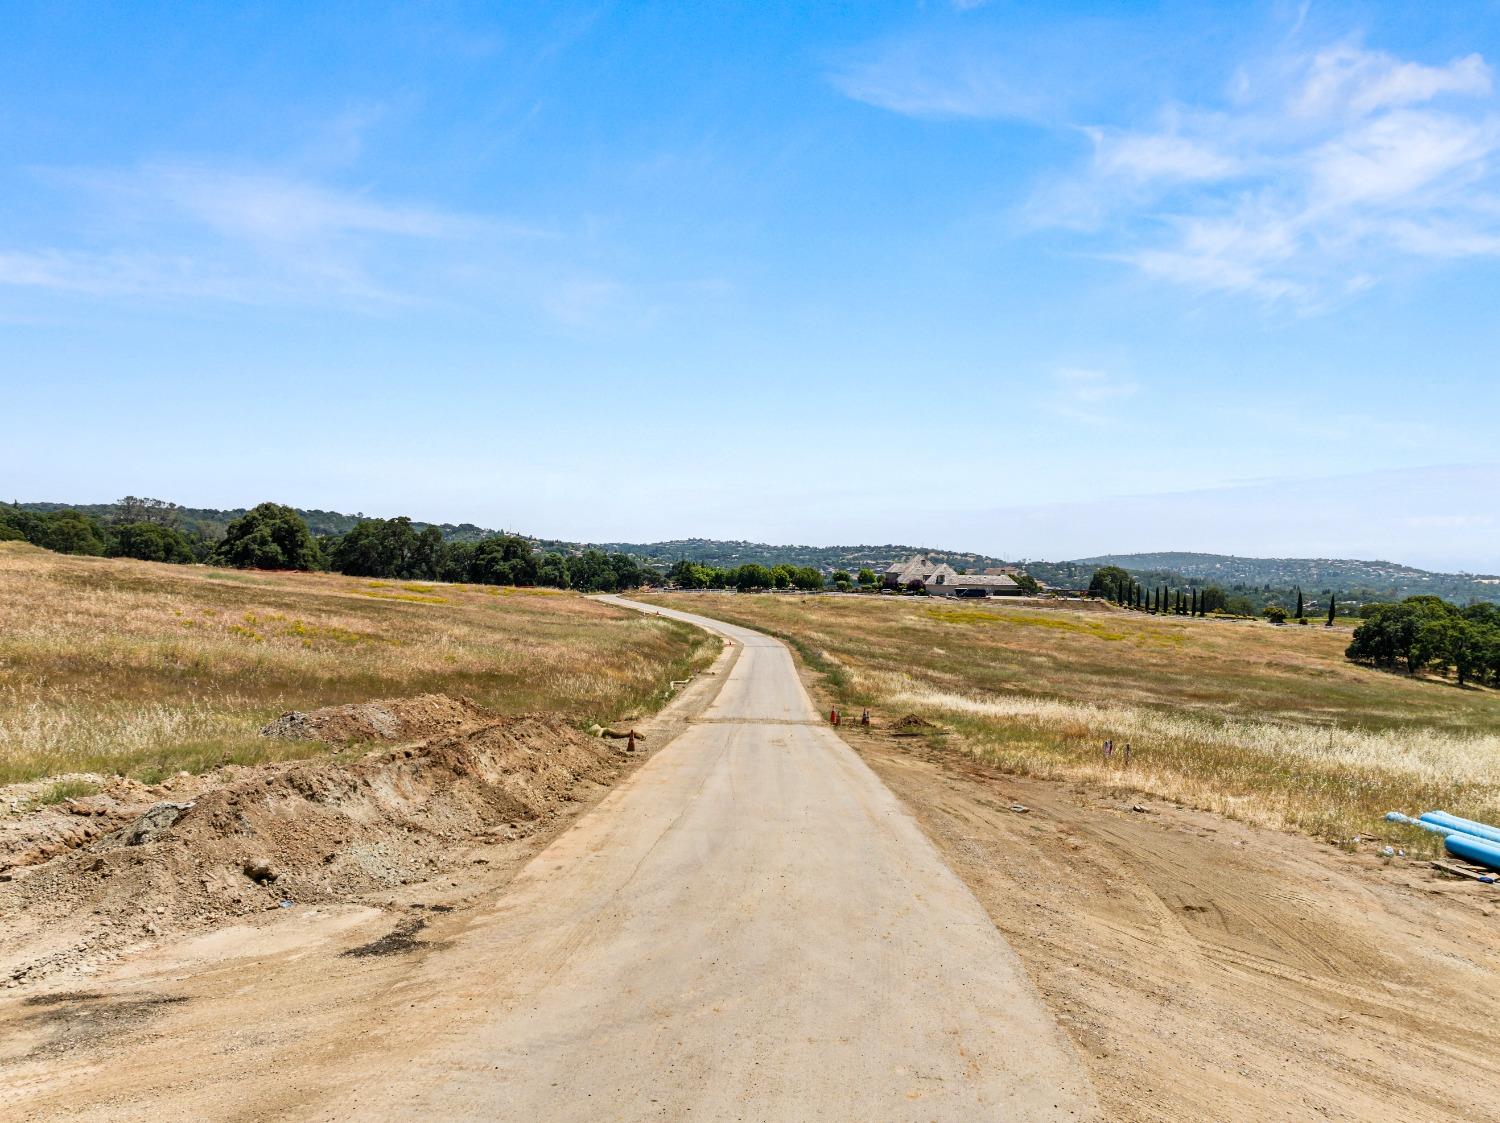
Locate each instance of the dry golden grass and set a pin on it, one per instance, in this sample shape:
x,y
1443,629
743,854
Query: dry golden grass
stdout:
x,y
1271,725
120,666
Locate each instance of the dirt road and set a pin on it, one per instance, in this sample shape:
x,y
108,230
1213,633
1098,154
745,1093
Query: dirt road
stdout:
x,y
751,927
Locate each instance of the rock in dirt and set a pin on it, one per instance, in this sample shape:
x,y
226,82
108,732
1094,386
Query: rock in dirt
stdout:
x,y
260,869
154,823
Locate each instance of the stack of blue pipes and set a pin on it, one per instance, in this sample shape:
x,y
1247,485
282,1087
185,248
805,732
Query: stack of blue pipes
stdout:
x,y
1463,838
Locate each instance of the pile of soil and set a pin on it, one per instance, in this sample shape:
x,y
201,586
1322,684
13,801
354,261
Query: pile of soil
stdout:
x,y
911,724
392,719
313,830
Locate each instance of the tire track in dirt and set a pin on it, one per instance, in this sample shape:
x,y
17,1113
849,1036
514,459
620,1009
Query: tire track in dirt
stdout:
x,y
1209,970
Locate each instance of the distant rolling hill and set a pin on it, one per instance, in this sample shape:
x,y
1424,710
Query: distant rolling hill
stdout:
x,y
1360,580
708,551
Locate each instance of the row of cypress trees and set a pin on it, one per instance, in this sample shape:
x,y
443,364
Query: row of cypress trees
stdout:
x,y
1164,601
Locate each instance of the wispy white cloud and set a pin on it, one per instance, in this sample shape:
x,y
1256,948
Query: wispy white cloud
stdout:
x,y
923,87
264,206
1348,80
1315,175
1318,175
1162,156
1086,394
196,231
193,231
951,74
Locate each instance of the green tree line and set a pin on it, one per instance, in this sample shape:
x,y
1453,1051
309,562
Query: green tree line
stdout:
x,y
147,529
272,536
752,577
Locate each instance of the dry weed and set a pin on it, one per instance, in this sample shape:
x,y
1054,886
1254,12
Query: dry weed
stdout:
x,y
121,666
1271,725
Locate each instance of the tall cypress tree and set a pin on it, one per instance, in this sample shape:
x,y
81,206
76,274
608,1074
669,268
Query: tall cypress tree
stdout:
x,y
1332,609
1300,614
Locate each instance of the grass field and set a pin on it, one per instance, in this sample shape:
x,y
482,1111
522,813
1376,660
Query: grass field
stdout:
x,y
143,669
1271,725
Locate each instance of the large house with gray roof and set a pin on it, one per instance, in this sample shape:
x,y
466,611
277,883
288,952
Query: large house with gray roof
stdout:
x,y
938,579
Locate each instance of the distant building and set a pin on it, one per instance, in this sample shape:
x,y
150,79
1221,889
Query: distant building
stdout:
x,y
914,573
922,574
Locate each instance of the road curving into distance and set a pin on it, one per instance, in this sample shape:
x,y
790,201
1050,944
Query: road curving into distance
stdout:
x,y
750,928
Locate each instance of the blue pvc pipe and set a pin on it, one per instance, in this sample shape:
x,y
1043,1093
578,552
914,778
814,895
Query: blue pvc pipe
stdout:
x,y
1435,828
1467,826
1478,850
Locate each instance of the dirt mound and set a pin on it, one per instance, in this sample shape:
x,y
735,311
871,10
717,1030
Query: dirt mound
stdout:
x,y
391,719
33,832
911,723
312,830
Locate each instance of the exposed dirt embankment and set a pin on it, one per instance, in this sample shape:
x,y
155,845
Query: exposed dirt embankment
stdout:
x,y
203,849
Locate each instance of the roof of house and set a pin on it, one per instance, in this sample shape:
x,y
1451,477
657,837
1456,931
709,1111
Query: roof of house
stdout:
x,y
981,580
898,567
913,569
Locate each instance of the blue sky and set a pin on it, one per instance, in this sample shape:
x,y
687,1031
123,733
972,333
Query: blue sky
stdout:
x,y
1038,280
